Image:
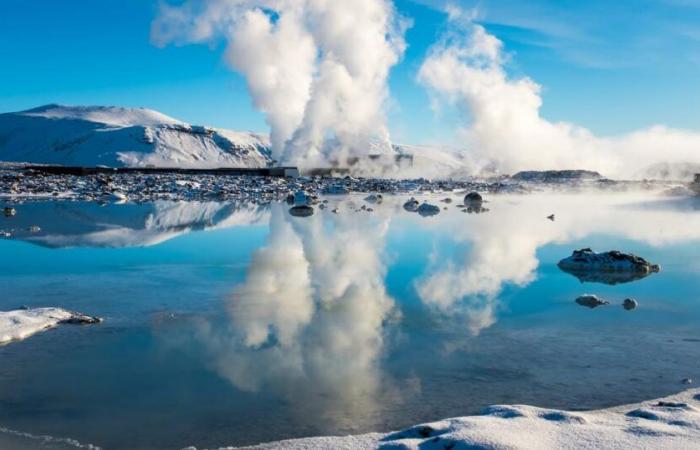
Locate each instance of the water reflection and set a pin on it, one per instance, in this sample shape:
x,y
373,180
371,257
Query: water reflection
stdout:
x,y
68,224
309,321
500,248
347,322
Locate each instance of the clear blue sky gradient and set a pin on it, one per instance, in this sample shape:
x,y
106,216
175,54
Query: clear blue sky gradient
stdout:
x,y
610,66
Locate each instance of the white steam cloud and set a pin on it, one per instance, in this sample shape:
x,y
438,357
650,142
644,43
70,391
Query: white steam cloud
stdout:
x,y
506,131
317,69
309,322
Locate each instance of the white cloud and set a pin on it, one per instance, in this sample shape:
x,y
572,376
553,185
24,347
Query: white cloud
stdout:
x,y
503,126
318,69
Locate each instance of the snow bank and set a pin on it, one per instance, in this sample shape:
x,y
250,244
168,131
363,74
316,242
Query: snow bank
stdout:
x,y
673,422
22,323
118,137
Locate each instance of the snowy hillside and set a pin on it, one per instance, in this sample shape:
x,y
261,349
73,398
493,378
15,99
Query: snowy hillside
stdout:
x,y
118,137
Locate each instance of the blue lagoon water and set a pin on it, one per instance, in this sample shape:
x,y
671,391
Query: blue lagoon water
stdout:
x,y
234,324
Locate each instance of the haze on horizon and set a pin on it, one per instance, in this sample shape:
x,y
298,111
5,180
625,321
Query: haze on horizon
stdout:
x,y
498,85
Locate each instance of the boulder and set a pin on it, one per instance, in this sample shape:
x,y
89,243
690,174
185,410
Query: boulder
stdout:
x,y
426,210
301,211
611,267
591,301
411,205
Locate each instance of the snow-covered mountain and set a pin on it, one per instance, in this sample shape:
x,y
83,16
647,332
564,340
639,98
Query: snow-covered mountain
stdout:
x,y
123,137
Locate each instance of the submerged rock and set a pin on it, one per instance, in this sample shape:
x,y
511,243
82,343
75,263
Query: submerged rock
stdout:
x,y
629,304
426,210
611,267
9,212
301,211
411,205
591,301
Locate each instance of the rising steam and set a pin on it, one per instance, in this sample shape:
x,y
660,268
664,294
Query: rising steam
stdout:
x,y
505,130
317,69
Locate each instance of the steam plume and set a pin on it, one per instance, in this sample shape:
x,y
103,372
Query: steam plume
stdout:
x,y
317,69
505,130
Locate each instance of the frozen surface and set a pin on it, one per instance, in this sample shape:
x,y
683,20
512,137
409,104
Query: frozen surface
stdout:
x,y
20,324
671,423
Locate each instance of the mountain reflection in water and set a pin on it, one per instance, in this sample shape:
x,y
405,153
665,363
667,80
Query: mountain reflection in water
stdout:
x,y
339,323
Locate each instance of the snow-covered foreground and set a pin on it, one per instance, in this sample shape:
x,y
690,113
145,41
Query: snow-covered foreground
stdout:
x,y
670,423
22,323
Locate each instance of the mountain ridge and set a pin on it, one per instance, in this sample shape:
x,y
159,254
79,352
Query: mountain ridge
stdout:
x,y
123,137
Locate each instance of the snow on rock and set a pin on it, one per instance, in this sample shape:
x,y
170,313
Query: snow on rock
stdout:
x,y
670,423
119,137
612,261
22,323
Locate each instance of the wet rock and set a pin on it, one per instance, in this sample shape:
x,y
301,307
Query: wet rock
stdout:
x,y
473,199
82,319
591,301
299,198
611,267
446,200
411,205
687,381
34,229
427,210
629,304
301,211
476,210
556,176
9,212
374,199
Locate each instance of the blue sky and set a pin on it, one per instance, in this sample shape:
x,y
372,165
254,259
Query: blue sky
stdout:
x,y
610,66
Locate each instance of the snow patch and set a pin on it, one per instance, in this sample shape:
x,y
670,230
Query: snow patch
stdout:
x,y
20,324
670,423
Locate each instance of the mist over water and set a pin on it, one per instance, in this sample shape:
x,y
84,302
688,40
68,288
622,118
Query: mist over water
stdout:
x,y
229,324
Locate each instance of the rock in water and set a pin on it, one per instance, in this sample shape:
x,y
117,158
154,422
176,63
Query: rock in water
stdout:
x,y
411,205
374,199
629,304
300,198
302,211
473,199
611,267
591,301
9,212
426,210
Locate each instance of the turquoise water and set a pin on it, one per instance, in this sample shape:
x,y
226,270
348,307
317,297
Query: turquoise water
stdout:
x,y
235,324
